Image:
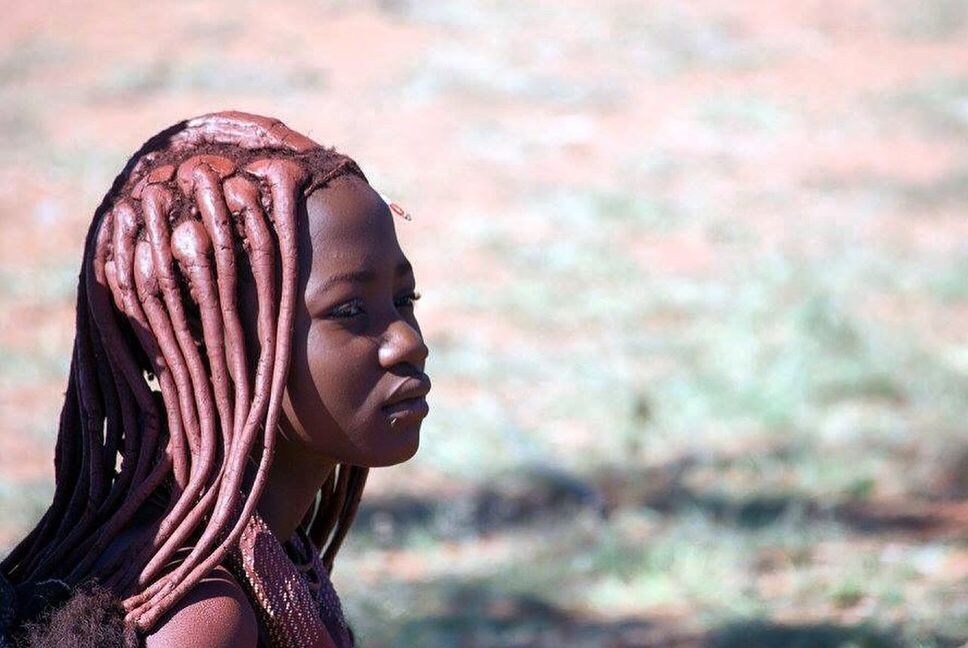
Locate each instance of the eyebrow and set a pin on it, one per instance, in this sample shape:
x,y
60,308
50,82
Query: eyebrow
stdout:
x,y
362,276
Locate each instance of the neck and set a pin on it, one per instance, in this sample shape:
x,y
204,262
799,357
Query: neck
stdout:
x,y
294,478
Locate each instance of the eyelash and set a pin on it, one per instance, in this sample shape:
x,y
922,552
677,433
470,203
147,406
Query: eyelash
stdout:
x,y
355,307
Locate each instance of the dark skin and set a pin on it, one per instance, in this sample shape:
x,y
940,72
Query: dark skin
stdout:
x,y
356,388
356,342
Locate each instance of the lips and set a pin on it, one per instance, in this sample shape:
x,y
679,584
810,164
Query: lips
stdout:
x,y
408,399
413,387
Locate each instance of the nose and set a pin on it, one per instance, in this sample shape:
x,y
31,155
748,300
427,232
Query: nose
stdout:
x,y
402,343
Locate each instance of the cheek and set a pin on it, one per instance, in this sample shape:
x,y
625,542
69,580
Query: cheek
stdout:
x,y
344,370
341,400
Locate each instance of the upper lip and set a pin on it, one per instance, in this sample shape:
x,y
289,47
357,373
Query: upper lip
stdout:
x,y
413,387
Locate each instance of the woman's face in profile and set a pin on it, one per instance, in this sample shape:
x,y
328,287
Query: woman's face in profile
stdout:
x,y
356,384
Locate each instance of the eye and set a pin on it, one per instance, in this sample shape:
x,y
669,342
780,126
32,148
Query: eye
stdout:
x,y
346,310
407,301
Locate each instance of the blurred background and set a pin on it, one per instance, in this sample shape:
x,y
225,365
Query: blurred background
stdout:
x,y
695,282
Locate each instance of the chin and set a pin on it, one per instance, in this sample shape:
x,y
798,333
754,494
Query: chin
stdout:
x,y
394,447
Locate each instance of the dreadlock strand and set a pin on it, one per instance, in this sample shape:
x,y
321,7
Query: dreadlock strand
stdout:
x,y
123,371
330,505
113,415
149,294
91,402
206,178
172,379
262,269
216,217
347,512
119,445
284,178
139,409
67,465
137,403
184,358
242,197
116,416
149,290
92,426
191,248
166,544
76,511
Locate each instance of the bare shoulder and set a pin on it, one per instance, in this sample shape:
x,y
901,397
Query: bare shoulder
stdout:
x,y
214,613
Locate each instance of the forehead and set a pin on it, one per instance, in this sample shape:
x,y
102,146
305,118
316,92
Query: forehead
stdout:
x,y
348,227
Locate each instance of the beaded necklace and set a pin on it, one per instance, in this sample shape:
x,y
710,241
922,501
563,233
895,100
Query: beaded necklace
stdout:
x,y
289,588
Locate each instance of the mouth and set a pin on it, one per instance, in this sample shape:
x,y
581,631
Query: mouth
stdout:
x,y
408,401
410,410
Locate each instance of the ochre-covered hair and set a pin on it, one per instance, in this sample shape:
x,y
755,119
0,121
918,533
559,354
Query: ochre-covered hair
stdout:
x,y
174,393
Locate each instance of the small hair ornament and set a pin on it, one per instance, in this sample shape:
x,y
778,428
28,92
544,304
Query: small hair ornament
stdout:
x,y
396,209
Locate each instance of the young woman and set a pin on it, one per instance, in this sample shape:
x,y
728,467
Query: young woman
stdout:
x,y
246,348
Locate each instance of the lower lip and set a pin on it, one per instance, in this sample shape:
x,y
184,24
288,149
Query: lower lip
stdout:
x,y
410,410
